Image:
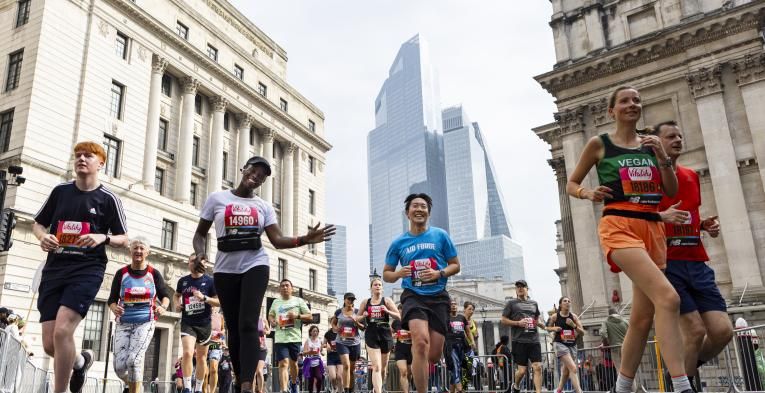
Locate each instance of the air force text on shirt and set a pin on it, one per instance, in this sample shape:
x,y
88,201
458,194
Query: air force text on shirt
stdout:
x,y
419,246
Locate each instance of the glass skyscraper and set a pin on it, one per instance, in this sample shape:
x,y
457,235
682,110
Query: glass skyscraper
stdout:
x,y
478,219
405,149
337,259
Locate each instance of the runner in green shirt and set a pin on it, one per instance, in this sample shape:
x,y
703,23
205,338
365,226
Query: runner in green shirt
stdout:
x,y
287,315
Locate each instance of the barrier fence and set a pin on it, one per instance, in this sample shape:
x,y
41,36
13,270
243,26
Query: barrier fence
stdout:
x,y
740,367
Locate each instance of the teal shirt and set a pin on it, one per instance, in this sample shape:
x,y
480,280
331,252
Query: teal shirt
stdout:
x,y
288,330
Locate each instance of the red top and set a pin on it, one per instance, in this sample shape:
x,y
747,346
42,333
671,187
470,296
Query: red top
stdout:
x,y
684,240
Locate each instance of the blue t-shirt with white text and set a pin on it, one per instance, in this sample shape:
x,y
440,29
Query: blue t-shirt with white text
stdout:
x,y
430,249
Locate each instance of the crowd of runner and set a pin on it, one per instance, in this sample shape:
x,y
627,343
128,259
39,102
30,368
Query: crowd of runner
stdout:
x,y
650,230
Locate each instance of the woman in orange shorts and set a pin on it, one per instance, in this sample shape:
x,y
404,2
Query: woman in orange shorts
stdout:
x,y
634,173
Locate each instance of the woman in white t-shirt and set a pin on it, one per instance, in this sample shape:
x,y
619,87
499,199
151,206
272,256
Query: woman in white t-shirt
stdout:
x,y
313,366
241,264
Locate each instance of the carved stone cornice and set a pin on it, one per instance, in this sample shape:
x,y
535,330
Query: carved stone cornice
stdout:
x,y
750,69
705,81
599,112
269,135
245,120
190,84
558,164
571,120
290,147
634,53
219,103
158,64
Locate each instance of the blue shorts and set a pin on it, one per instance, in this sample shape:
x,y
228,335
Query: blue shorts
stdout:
x,y
286,350
75,291
333,359
353,351
695,284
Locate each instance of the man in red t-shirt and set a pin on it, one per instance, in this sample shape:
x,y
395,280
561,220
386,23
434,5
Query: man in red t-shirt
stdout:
x,y
704,319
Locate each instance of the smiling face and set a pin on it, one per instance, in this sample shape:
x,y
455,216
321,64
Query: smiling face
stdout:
x,y
418,211
253,176
672,140
627,106
139,252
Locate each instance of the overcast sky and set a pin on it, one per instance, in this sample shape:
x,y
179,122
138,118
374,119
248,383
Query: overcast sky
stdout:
x,y
486,53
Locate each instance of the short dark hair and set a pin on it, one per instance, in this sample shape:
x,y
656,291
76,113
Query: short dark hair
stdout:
x,y
657,128
411,197
312,328
285,280
468,303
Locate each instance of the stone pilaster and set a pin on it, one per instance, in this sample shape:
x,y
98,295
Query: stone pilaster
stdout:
x,y
215,166
243,141
707,88
268,154
185,141
750,76
288,216
158,66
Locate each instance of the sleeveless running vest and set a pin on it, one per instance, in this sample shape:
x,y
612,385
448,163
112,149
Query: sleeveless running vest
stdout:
x,y
567,335
632,174
137,294
376,315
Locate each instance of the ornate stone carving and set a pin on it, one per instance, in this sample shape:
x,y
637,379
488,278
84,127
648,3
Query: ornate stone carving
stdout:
x,y
163,110
750,69
103,28
599,112
558,164
190,84
143,53
245,120
219,104
571,120
169,269
269,135
290,147
158,64
705,81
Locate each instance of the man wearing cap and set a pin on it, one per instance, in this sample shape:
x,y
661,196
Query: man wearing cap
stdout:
x,y
522,315
287,315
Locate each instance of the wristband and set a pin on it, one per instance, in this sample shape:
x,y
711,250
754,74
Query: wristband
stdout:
x,y
579,192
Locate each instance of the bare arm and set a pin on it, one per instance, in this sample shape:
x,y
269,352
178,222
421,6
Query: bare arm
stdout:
x,y
392,309
390,274
199,242
579,327
507,321
591,154
177,301
314,235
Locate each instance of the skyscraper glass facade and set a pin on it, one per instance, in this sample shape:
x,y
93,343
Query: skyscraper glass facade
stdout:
x,y
337,259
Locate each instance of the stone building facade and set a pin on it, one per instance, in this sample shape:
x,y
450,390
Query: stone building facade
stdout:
x,y
181,93
700,62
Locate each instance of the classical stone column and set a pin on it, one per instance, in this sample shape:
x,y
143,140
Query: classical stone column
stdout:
x,y
583,220
215,165
268,154
185,141
288,217
158,66
750,76
706,86
243,142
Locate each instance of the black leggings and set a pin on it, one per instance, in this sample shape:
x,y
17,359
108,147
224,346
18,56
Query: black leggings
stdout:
x,y
241,297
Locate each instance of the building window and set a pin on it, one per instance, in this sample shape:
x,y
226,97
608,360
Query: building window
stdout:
x,y
94,328
311,165
238,72
121,46
193,194
182,30
262,89
311,202
14,70
195,151
6,124
311,126
252,137
311,246
167,85
162,137
118,97
283,104
312,279
168,234
282,269
198,104
212,53
159,181
226,121
112,147
225,165
22,16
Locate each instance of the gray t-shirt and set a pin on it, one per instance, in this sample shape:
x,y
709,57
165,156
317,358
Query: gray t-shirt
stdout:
x,y
528,311
235,215
347,330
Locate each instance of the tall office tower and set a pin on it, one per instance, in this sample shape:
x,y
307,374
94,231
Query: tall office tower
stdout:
x,y
405,150
478,219
337,259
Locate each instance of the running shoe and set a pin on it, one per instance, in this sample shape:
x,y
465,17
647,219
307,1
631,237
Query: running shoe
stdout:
x,y
78,376
515,389
293,387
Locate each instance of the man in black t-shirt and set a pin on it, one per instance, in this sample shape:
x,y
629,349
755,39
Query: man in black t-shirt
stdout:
x,y
194,297
74,226
522,314
456,342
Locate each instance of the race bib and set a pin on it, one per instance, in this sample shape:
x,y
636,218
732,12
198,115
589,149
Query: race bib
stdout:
x,y
376,314
194,305
457,327
348,332
333,346
568,335
641,184
240,219
136,295
403,336
285,322
687,234
418,265
530,324
68,232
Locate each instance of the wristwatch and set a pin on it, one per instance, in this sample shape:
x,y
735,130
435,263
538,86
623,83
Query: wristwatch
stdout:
x,y
442,274
108,240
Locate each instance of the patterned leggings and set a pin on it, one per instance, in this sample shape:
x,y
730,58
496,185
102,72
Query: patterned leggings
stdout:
x,y
131,340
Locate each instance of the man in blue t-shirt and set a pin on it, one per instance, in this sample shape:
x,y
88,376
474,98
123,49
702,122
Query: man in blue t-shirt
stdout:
x,y
427,257
195,297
